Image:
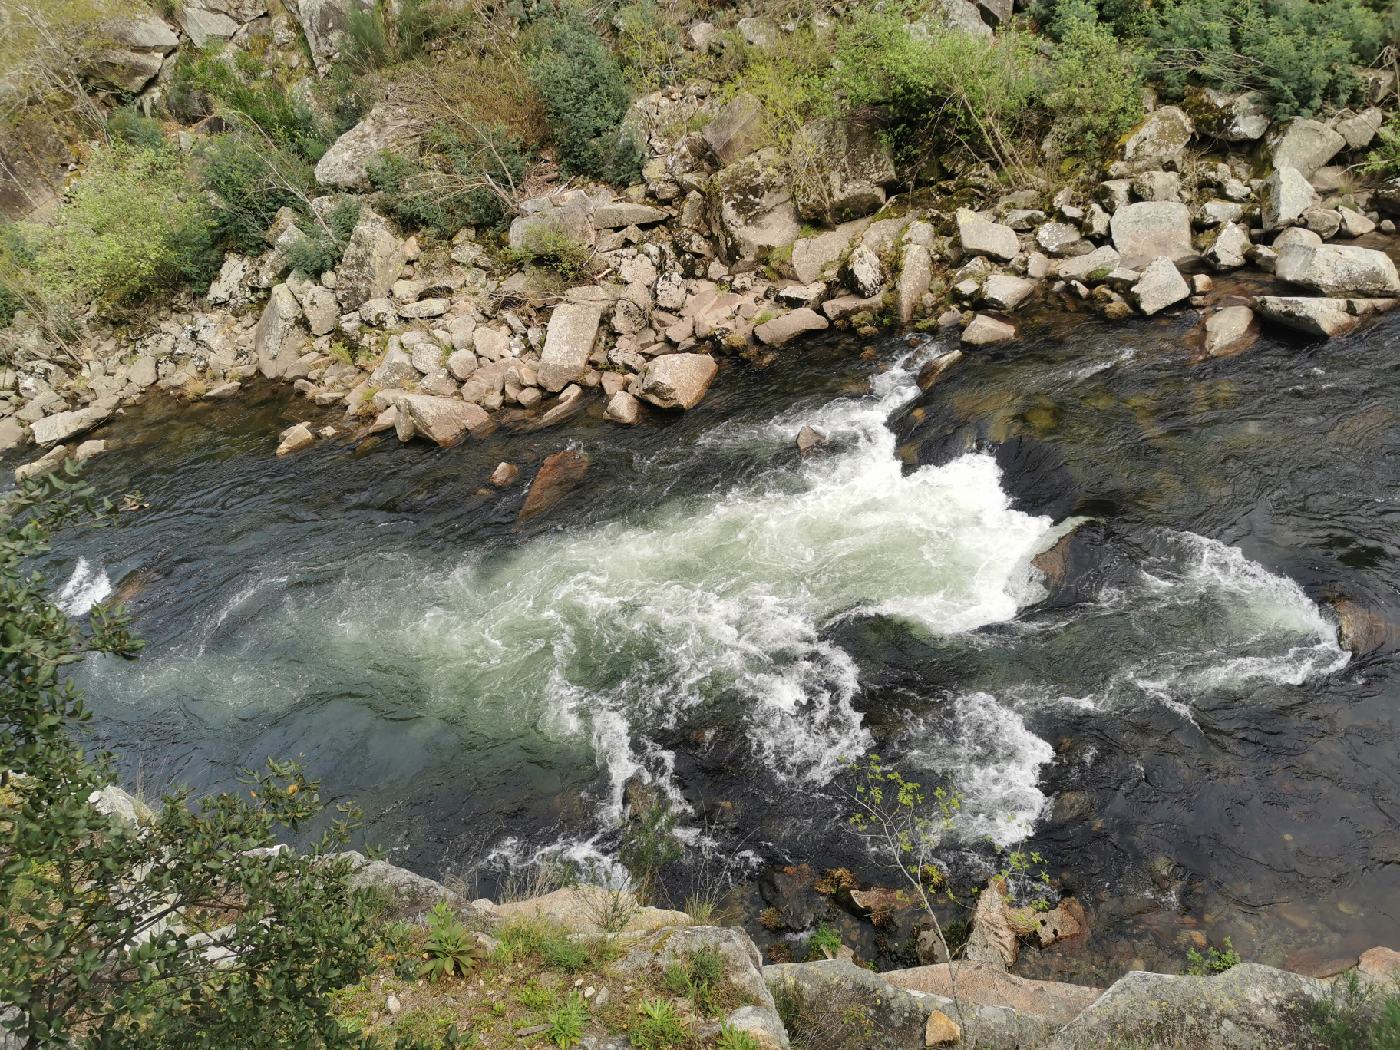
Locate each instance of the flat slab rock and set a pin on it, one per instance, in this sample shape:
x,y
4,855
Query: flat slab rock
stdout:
x,y
582,908
991,986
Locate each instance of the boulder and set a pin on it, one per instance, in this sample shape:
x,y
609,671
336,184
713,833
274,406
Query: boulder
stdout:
x,y
866,272
1003,291
1360,129
121,806
789,326
136,48
848,164
1227,251
444,419
1285,196
1246,1006
1315,316
678,380
623,408
204,27
275,344
321,308
345,165
45,464
915,277
573,328
990,985
324,23
993,940
504,474
410,896
987,331
980,236
12,433
559,474
1354,224
1305,145
1060,240
1339,270
813,257
620,214
395,369
851,1008
1230,330
294,439
50,430
962,15
737,130
561,216
1160,286
1236,118
1160,141
751,208
373,259
1083,267
1149,230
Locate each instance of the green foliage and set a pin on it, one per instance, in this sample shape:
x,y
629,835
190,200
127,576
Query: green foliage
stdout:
x,y
650,46
1213,960
1092,92
649,843
459,180
377,36
794,83
128,126
99,946
251,182
946,90
449,950
554,250
567,1022
133,224
320,246
734,1039
658,1026
1384,158
698,977
549,945
585,98
1355,1018
242,89
824,943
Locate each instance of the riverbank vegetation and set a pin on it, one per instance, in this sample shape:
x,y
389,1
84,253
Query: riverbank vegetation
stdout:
x,y
510,97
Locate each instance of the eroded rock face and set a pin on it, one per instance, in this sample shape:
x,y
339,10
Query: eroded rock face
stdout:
x,y
853,164
345,166
1246,1006
862,1010
678,380
737,130
324,23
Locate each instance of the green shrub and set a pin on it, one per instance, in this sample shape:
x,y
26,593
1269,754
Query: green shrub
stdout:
x,y
551,249
649,843
133,224
449,950
251,181
698,977
947,91
650,46
1092,92
98,946
1384,159
127,125
1213,960
567,1022
456,182
244,90
1353,1018
378,36
824,943
585,98
321,246
733,1039
658,1026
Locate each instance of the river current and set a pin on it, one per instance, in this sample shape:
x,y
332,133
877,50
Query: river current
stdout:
x,y
1173,724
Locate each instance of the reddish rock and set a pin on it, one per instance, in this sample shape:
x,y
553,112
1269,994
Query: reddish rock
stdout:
x,y
559,475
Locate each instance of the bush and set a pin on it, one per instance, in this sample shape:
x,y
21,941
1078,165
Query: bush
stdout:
x,y
458,182
100,944
1354,1018
1092,92
244,90
133,224
129,126
321,246
554,250
251,181
947,91
1213,960
650,46
585,98
377,37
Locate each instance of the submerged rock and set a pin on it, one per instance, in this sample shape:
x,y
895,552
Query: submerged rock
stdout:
x,y
1230,330
559,474
808,438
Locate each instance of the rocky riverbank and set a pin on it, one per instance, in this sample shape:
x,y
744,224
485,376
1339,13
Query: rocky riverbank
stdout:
x,y
633,300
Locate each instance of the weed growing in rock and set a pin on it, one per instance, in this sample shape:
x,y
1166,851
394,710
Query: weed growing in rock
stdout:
x,y
824,943
733,1039
1213,960
449,950
567,1021
658,1026
1354,1017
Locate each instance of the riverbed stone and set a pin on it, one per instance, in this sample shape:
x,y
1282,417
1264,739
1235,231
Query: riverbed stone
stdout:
x,y
623,408
573,328
987,331
1306,145
50,430
915,278
1004,291
294,439
445,420
1339,270
1284,197
1100,261
783,329
1150,229
1227,251
981,236
678,380
1230,330
1160,286
559,474
1354,224
1312,315
813,257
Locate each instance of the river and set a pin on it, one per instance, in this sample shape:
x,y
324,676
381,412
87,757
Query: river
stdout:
x,y
1175,727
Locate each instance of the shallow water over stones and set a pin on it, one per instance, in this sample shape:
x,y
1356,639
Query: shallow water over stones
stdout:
x,y
1171,722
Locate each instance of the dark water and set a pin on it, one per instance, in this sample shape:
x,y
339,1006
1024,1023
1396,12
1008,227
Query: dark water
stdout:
x,y
1175,727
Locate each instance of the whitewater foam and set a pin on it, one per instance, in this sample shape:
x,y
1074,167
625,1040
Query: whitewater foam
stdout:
x,y
85,588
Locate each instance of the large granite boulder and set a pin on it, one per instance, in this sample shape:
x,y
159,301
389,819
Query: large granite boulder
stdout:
x,y
840,1006
275,340
1306,145
1151,229
566,216
568,342
814,257
1308,314
751,207
737,130
1339,270
373,259
135,52
678,380
61,426
1161,141
845,169
786,327
1160,286
981,236
1285,196
445,420
345,166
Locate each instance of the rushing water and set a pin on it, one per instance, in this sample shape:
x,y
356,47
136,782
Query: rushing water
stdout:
x,y
1175,724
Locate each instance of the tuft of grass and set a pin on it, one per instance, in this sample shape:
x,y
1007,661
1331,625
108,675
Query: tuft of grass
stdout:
x,y
567,1022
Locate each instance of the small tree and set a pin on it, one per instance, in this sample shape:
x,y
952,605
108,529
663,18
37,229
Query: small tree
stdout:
x,y
191,928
